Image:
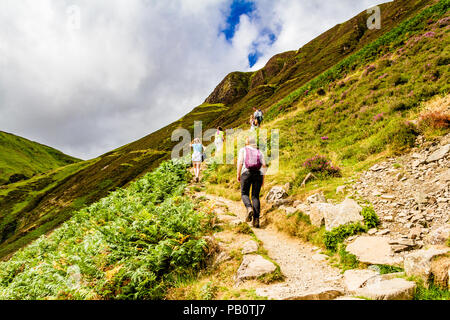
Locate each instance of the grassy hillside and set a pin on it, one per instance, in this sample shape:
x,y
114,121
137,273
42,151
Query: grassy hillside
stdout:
x,y
371,105
279,88
19,156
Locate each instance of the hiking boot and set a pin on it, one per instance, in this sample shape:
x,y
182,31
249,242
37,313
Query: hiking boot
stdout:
x,y
249,214
256,223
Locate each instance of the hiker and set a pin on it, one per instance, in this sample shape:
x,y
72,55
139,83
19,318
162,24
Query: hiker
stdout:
x,y
253,123
219,139
251,167
258,114
197,157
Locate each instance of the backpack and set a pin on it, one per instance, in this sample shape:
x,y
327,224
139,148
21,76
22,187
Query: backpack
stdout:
x,y
259,116
252,159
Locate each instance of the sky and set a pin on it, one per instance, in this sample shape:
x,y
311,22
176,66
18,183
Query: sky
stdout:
x,y
88,76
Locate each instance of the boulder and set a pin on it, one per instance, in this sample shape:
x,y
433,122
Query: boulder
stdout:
x,y
391,289
316,198
355,279
317,213
252,267
276,193
250,247
346,212
418,263
322,294
373,250
440,269
439,236
439,154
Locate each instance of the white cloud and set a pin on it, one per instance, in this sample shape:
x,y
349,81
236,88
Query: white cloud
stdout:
x,y
133,66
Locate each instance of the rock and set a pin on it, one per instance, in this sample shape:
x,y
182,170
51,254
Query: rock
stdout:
x,y
319,257
399,248
303,208
387,197
393,289
388,218
346,212
418,263
290,210
439,236
308,177
276,193
316,198
252,267
383,232
221,257
377,168
340,189
439,154
373,250
250,247
372,231
322,294
415,233
347,298
440,270
355,279
317,213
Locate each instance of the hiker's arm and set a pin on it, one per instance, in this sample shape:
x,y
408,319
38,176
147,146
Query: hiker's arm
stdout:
x,y
239,169
264,169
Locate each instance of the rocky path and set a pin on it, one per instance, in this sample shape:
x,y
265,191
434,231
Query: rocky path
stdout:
x,y
306,272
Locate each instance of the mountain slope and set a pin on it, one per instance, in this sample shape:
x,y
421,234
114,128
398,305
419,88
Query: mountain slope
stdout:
x,y
275,88
19,156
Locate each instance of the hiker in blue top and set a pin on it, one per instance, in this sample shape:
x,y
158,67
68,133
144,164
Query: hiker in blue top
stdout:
x,y
250,173
197,157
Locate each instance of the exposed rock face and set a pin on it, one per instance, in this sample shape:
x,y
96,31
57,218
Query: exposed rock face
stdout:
x,y
252,267
276,193
440,235
374,250
418,263
232,88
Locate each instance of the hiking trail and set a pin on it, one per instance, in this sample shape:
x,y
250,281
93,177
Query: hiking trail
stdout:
x,y
305,270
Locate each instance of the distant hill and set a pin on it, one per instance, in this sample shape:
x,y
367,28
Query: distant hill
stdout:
x,y
21,158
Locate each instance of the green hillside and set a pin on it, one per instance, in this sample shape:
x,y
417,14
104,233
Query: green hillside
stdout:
x,y
19,156
360,73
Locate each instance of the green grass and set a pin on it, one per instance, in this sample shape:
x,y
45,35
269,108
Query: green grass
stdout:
x,y
28,158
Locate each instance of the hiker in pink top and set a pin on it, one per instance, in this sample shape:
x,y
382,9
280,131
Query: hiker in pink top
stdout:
x,y
250,173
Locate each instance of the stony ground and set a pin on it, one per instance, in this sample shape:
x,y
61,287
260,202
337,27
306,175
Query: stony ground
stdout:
x,y
304,268
411,193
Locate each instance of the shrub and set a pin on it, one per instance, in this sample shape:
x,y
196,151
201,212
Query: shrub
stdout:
x,y
399,79
133,244
320,164
435,119
400,134
371,219
338,235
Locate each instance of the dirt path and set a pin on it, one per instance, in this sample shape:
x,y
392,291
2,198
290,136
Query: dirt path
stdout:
x,y
299,261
